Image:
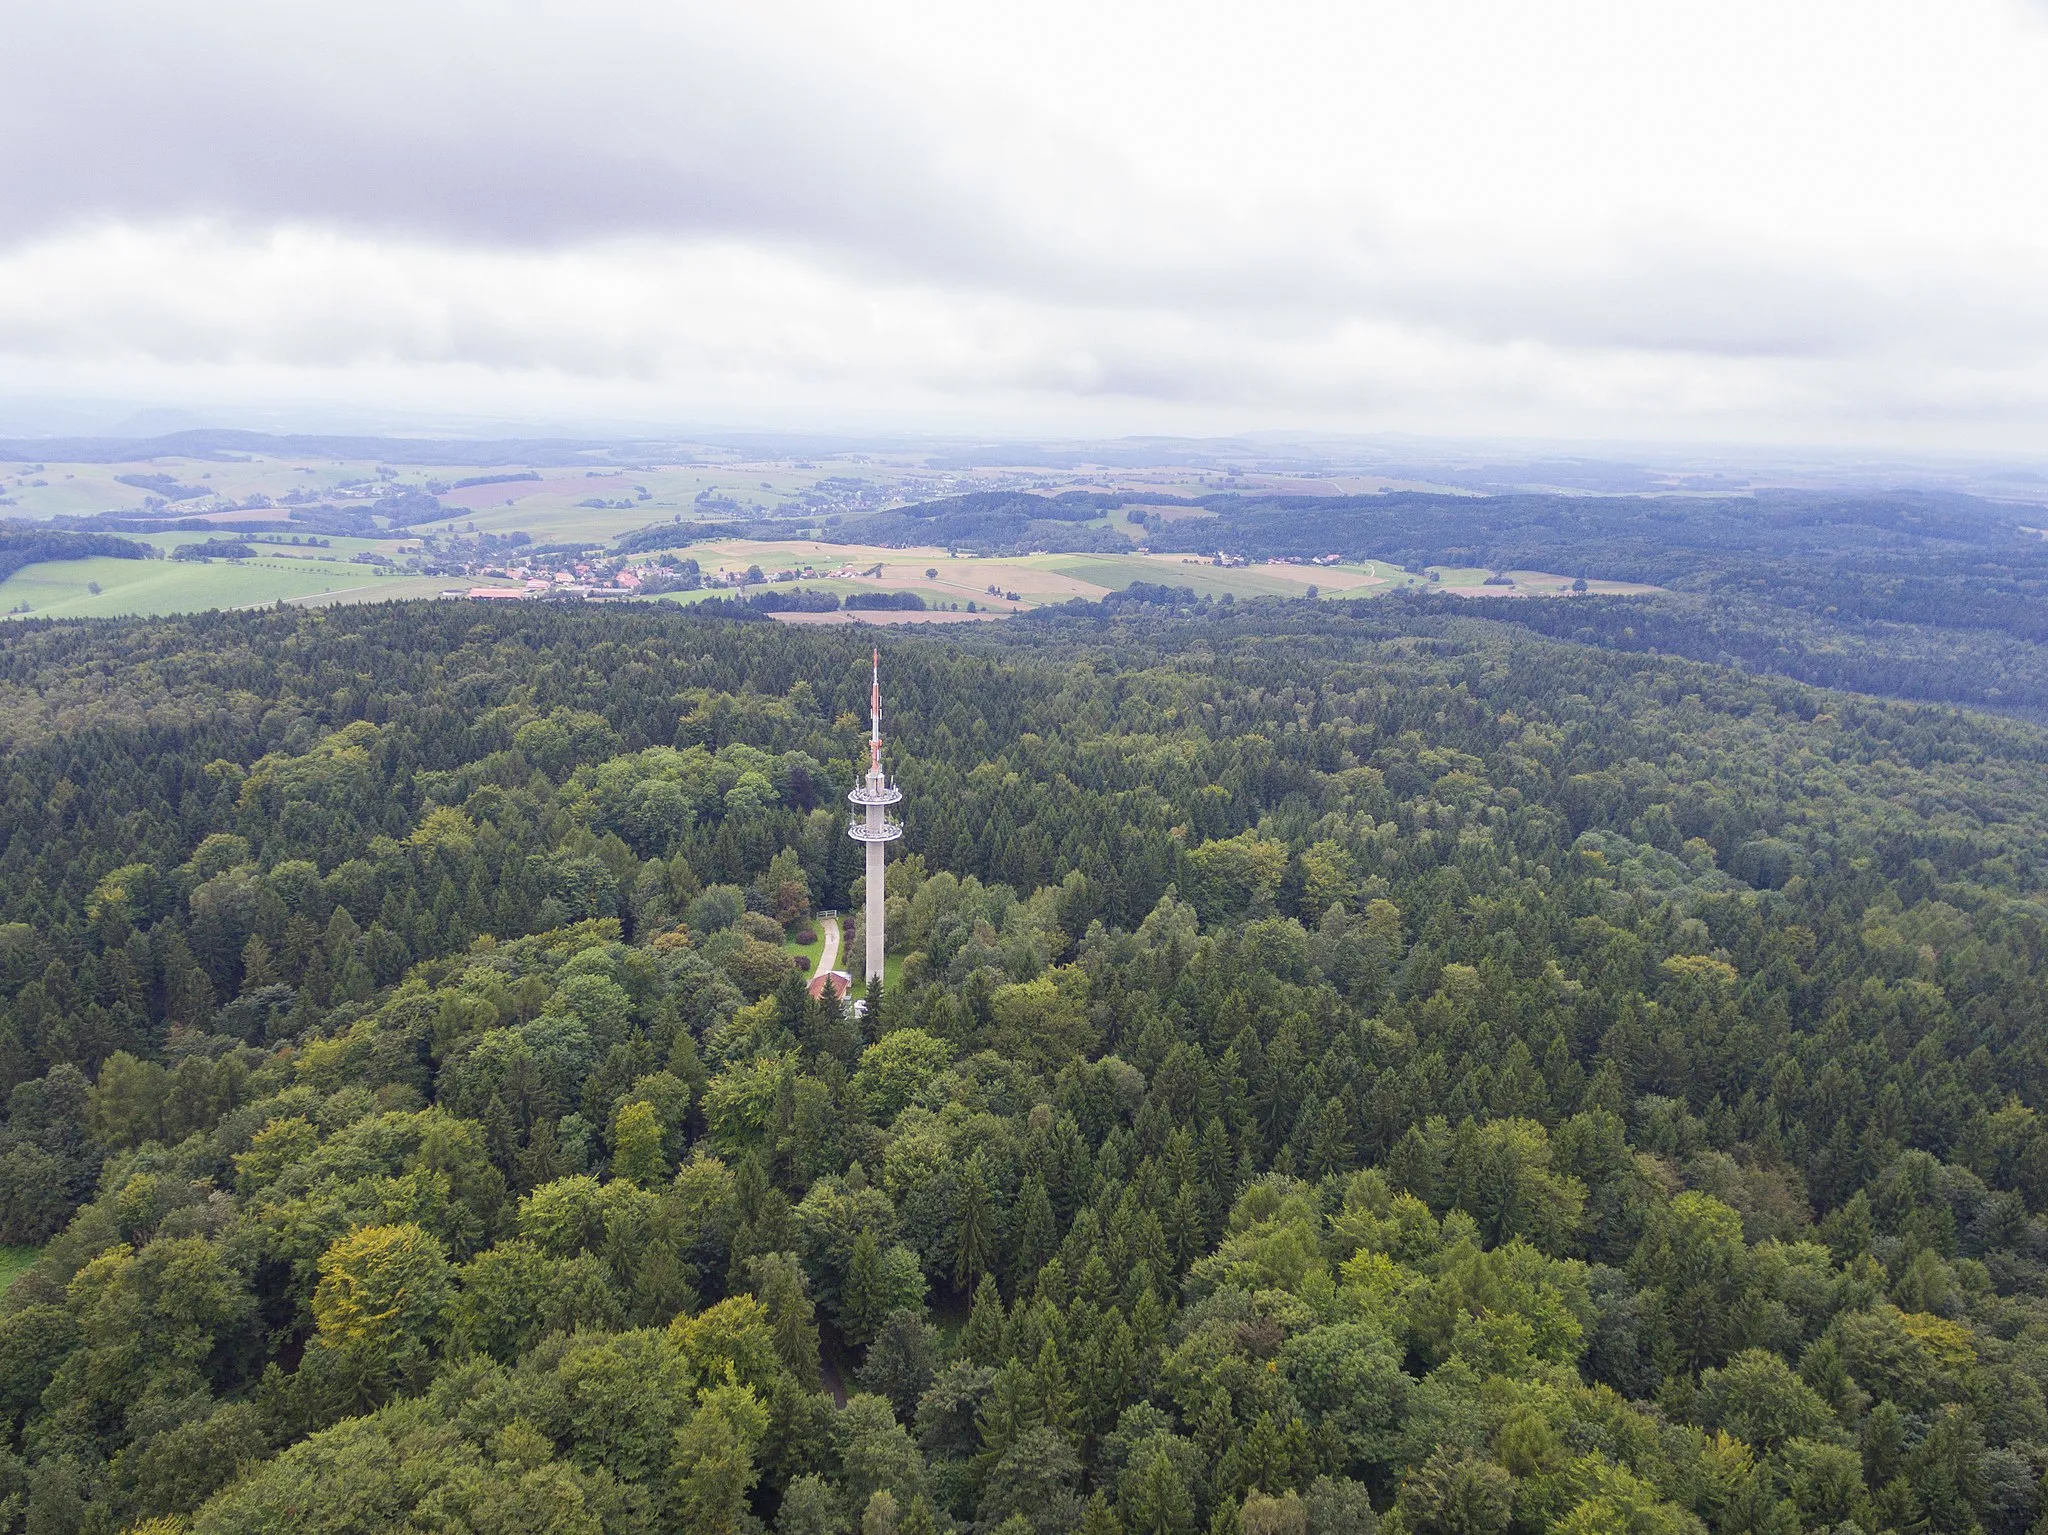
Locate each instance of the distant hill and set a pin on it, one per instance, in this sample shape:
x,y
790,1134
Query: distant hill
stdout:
x,y
991,522
1912,594
1657,539
228,444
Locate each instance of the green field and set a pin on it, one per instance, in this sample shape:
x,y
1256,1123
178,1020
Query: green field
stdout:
x,y
62,588
1038,579
549,508
333,548
892,972
14,1262
810,951
1114,572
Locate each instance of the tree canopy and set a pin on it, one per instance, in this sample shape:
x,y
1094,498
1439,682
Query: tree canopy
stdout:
x,y
1340,1069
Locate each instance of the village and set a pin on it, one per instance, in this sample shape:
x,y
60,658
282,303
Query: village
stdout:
x,y
611,579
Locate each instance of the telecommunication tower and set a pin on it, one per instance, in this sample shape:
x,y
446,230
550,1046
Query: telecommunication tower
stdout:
x,y
872,826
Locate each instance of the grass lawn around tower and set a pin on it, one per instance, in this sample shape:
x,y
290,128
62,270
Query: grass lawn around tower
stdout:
x,y
892,972
14,1262
810,951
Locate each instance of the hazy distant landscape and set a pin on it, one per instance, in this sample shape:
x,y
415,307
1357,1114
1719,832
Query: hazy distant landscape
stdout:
x,y
1935,588
389,527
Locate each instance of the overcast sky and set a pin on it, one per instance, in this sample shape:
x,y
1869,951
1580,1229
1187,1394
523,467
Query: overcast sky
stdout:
x,y
1788,220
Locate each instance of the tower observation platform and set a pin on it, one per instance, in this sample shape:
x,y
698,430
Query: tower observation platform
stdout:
x,y
873,827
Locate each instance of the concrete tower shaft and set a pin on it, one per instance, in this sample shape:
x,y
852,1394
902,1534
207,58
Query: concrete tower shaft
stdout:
x,y
873,827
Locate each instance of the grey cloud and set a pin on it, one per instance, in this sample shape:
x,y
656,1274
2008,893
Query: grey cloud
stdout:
x,y
527,125
1698,293
1044,260
554,125
541,125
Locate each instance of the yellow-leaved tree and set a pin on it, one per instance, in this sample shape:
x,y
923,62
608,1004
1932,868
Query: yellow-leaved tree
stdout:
x,y
379,1308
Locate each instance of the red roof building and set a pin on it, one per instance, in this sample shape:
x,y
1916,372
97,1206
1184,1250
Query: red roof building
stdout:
x,y
840,982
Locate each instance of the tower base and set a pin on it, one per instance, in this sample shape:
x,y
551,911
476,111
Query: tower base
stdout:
x,y
871,923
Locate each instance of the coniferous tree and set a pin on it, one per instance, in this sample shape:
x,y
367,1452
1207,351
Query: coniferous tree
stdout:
x,y
1036,1233
864,1300
974,1249
982,1339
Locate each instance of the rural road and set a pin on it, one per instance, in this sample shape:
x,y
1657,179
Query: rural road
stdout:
x,y
828,956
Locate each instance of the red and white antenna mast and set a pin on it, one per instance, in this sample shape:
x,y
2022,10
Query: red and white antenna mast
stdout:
x,y
875,715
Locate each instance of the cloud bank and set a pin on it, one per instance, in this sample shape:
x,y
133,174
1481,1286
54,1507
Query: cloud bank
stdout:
x,y
1815,222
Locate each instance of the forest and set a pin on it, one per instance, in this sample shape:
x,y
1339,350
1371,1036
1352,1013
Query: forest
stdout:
x,y
1346,1069
991,522
980,522
1921,595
